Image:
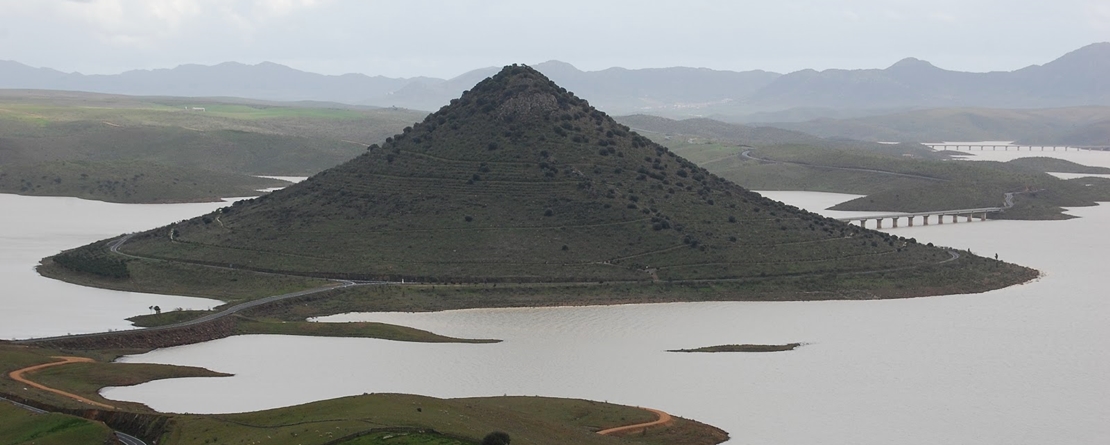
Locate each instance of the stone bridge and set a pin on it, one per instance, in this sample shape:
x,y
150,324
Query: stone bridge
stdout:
x,y
968,215
1008,147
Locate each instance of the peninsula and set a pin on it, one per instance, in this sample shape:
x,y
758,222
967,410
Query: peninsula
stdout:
x,y
521,194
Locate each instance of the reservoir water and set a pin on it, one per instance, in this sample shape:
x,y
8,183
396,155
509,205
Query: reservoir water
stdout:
x,y
35,227
1022,365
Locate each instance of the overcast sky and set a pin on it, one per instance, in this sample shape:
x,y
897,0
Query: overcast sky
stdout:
x,y
446,38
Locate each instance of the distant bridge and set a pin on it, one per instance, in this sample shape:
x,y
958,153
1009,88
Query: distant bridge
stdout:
x,y
1007,147
969,214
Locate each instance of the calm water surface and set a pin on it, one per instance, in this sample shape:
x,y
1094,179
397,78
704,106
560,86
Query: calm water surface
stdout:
x,y
1022,365
35,227
1094,158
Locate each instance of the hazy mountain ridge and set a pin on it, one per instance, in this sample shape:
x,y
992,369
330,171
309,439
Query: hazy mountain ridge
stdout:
x,y
616,88
1074,79
1071,80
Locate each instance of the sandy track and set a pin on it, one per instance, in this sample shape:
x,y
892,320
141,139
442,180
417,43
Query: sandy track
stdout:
x,y
18,375
664,419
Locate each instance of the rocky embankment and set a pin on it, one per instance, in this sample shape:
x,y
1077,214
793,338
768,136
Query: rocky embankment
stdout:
x,y
152,338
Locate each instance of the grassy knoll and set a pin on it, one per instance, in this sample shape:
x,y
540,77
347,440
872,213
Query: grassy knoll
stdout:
x,y
128,182
526,419
83,379
18,426
1057,165
355,329
86,379
367,419
743,348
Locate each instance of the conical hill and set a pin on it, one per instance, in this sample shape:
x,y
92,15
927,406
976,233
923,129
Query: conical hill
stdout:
x,y
518,180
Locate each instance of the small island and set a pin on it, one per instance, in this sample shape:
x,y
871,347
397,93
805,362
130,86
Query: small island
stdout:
x,y
742,348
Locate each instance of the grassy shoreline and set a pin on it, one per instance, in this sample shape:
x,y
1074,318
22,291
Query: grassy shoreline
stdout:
x,y
742,348
968,274
351,420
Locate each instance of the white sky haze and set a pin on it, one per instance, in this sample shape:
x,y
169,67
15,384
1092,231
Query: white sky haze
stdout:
x,y
444,38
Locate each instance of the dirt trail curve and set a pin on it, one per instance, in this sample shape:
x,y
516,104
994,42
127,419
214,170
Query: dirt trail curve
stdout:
x,y
664,419
18,375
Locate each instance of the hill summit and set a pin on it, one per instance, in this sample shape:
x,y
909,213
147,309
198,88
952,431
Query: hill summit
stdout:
x,y
518,180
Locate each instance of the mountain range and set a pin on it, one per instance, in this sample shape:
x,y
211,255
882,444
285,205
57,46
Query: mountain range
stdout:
x,y
1075,79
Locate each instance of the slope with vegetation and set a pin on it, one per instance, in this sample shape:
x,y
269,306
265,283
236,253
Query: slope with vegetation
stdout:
x,y
129,182
1077,126
19,426
896,177
913,181
129,149
519,181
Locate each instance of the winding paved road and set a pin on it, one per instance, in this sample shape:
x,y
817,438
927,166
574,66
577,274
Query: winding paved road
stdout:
x,y
114,247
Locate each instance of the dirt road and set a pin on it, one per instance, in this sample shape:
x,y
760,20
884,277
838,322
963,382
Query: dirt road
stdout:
x,y
664,419
18,375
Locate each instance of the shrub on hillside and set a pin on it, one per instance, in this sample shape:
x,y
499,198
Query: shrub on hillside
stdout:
x,y
92,259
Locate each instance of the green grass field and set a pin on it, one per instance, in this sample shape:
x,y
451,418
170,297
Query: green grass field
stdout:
x,y
21,427
135,149
535,420
128,182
